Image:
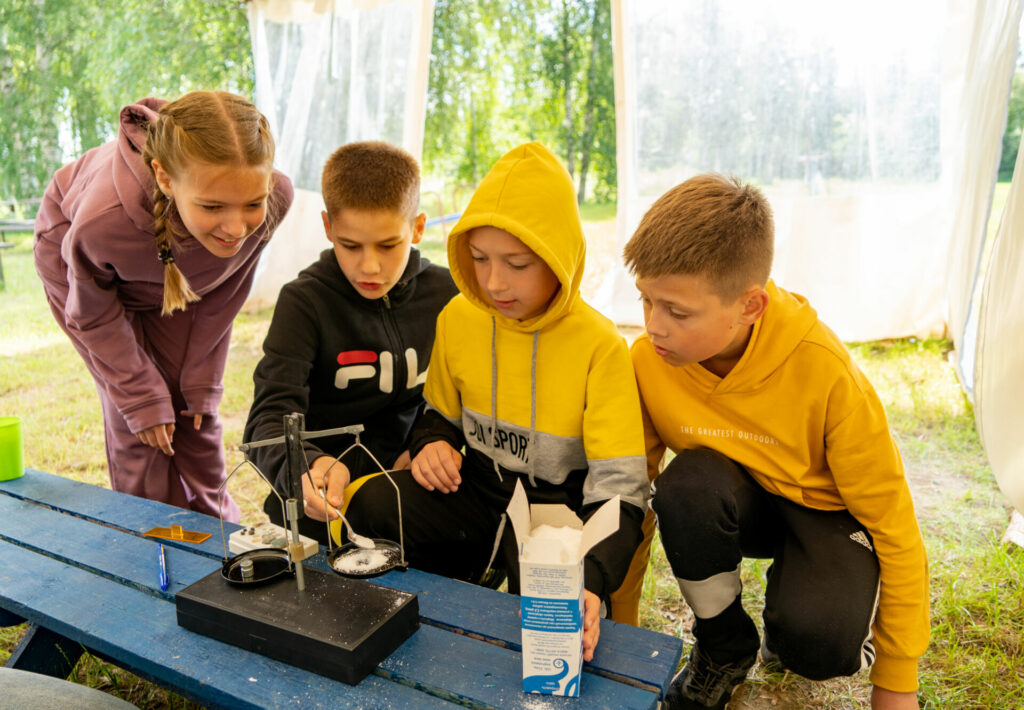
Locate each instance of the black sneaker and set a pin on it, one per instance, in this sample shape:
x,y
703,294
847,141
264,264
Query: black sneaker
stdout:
x,y
770,661
704,684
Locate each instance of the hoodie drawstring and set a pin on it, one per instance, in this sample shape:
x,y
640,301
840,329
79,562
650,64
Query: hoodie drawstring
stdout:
x,y
494,402
494,427
494,398
533,405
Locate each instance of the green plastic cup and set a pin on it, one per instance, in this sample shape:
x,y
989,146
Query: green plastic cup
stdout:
x,y
12,455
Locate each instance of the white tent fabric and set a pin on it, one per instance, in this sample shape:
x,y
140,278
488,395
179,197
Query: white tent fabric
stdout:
x,y
329,72
1000,353
891,250
874,128
842,114
989,47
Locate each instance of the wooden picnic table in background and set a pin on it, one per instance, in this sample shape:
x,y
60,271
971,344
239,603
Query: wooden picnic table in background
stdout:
x,y
11,222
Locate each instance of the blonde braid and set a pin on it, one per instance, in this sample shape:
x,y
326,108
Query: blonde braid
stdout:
x,y
177,291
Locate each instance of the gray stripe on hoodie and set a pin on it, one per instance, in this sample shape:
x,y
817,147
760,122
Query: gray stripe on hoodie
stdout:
x,y
625,476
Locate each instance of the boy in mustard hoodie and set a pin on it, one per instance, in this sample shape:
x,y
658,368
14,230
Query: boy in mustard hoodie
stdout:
x,y
782,451
526,382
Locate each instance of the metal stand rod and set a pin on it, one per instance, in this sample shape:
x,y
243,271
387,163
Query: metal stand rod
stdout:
x,y
295,459
293,522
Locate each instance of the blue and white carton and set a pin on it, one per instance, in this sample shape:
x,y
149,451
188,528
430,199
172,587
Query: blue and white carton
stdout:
x,y
551,601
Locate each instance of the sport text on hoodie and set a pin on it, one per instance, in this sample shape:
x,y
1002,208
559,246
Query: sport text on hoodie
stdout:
x,y
549,396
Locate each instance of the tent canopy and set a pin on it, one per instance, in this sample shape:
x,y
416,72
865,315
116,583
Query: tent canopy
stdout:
x,y
874,129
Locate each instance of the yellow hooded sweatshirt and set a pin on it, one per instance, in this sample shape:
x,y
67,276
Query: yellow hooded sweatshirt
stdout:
x,y
557,389
801,417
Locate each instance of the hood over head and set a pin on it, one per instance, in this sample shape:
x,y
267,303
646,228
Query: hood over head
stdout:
x,y
529,194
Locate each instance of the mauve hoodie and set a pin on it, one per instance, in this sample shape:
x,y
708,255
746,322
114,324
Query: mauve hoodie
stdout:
x,y
96,254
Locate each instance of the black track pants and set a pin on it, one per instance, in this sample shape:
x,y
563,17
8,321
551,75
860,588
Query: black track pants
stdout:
x,y
822,587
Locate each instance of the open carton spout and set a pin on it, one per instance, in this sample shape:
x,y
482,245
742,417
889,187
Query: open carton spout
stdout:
x,y
551,601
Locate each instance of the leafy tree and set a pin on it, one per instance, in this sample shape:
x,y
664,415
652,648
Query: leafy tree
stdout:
x,y
597,139
504,72
579,73
1014,125
68,66
463,96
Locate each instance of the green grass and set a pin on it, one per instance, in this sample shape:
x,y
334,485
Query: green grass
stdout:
x,y
975,659
598,211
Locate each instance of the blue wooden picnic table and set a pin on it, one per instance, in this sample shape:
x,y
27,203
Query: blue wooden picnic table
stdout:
x,y
74,563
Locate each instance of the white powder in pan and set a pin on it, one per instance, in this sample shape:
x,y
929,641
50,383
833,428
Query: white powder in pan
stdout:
x,y
360,561
552,545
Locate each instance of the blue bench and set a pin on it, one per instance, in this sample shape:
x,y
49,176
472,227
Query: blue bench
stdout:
x,y
75,565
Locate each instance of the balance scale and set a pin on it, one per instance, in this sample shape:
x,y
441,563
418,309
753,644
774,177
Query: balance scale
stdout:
x,y
264,601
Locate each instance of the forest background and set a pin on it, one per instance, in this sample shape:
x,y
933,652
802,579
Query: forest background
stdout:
x,y
501,72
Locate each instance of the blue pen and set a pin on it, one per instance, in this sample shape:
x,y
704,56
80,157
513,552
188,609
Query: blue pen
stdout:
x,y
163,570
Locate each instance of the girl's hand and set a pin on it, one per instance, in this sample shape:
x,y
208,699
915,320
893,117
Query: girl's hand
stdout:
x,y
197,419
159,437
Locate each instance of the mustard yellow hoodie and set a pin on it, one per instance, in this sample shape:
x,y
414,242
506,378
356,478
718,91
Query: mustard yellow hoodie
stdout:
x,y
800,416
558,389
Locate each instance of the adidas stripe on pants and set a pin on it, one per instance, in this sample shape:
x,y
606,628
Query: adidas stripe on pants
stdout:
x,y
822,587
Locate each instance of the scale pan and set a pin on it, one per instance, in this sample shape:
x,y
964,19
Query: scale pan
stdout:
x,y
350,560
268,564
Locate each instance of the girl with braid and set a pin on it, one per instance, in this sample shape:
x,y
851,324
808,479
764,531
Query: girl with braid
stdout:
x,y
147,247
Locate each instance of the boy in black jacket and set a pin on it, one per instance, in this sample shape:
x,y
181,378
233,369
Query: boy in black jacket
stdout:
x,y
351,337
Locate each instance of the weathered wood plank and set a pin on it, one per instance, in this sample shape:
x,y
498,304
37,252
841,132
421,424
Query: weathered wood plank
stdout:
x,y
109,507
637,656
481,674
122,557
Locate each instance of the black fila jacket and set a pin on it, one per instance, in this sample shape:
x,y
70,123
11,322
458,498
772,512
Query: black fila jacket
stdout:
x,y
341,359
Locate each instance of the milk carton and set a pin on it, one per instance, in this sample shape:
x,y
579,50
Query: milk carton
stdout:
x,y
552,544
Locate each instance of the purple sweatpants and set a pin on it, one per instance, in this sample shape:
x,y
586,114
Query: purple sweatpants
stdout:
x,y
189,479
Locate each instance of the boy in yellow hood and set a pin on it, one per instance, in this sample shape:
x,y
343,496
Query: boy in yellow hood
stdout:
x,y
526,382
782,451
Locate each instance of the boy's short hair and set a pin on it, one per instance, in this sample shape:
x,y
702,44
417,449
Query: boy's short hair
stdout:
x,y
709,226
371,175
